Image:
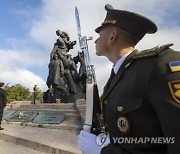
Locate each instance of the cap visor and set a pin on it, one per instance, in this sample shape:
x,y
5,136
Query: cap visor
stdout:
x,y
97,30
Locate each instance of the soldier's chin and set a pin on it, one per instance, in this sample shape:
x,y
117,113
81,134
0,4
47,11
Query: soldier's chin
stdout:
x,y
99,53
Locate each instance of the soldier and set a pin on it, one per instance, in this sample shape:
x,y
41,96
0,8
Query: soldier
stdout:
x,y
35,93
2,102
141,99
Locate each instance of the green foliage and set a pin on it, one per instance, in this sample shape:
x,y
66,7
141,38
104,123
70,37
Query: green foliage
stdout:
x,y
20,93
17,93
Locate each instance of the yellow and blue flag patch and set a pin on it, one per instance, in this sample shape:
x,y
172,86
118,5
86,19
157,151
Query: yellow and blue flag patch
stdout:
x,y
174,66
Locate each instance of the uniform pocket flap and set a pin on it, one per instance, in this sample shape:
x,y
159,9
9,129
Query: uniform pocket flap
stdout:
x,y
125,105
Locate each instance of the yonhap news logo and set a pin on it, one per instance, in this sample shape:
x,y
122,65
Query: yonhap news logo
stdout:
x,y
143,140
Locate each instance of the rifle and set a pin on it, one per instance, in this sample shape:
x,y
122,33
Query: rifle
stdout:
x,y
93,120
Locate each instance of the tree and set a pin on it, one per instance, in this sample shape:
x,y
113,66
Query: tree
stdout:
x,y
17,93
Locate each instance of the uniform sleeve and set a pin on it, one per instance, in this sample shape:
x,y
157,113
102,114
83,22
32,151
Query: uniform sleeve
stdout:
x,y
163,89
4,98
113,149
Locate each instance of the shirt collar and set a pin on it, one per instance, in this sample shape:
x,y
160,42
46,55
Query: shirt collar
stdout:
x,y
119,62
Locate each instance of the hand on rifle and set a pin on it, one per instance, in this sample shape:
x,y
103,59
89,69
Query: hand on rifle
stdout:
x,y
87,143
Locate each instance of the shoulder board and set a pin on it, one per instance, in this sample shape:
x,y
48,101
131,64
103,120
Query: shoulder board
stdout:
x,y
151,52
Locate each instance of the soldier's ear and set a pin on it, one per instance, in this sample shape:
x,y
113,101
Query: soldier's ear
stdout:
x,y
113,36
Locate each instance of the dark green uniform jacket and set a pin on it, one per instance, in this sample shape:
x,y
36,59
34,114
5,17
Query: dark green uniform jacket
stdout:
x,y
2,102
2,98
142,104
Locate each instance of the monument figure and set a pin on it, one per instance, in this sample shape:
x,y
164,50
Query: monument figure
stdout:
x,y
82,70
64,78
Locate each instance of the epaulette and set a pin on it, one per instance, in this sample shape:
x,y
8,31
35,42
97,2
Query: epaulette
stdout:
x,y
151,52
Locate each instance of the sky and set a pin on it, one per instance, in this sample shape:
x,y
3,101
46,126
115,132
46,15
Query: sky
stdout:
x,y
27,33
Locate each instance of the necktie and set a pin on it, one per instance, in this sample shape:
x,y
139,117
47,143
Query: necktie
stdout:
x,y
110,80
111,76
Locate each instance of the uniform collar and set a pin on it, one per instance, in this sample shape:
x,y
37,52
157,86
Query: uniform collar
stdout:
x,y
118,64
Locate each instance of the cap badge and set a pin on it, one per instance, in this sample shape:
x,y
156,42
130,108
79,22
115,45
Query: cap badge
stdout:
x,y
175,90
123,124
109,22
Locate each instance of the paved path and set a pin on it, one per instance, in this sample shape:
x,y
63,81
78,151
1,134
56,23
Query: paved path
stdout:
x,y
53,141
10,148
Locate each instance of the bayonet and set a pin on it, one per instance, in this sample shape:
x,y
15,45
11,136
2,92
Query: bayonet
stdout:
x,y
93,110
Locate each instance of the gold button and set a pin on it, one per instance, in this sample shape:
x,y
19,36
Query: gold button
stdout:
x,y
120,108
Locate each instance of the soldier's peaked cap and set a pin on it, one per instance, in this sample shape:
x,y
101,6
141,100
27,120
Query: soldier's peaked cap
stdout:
x,y
1,84
133,23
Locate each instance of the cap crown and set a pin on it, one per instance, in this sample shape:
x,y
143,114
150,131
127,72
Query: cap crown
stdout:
x,y
133,23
